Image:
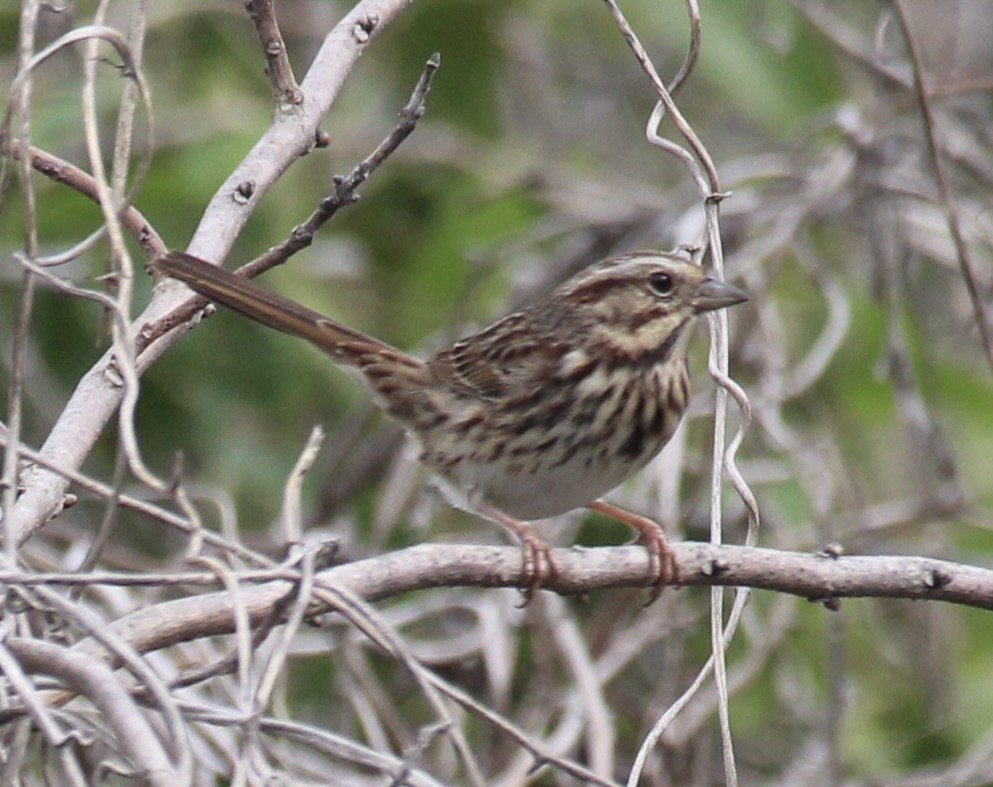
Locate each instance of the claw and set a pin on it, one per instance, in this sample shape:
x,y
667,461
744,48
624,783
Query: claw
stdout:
x,y
538,568
662,567
536,555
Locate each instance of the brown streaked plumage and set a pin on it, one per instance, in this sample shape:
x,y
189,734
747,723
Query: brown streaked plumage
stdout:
x,y
540,413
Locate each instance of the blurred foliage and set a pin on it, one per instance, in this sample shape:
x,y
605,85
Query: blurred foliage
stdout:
x,y
532,154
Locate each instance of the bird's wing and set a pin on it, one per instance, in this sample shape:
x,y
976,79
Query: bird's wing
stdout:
x,y
503,361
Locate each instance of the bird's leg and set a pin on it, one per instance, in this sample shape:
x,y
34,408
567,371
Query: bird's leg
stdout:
x,y
537,555
662,567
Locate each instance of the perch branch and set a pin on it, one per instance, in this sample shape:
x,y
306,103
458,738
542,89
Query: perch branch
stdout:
x,y
822,577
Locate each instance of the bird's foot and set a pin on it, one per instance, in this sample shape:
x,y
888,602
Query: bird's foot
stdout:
x,y
662,567
538,567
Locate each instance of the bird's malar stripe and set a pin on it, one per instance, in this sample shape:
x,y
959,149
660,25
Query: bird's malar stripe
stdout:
x,y
640,320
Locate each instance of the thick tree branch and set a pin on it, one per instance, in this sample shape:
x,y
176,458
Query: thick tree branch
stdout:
x,y
818,577
823,577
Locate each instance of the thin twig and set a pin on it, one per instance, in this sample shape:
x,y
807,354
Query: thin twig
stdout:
x,y
120,258
364,617
61,171
332,743
600,732
285,89
242,627
95,681
290,515
21,93
274,667
107,492
21,686
846,41
701,153
90,622
704,173
345,188
692,53
946,198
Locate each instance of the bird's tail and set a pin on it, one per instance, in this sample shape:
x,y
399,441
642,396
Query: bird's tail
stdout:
x,y
400,379
346,345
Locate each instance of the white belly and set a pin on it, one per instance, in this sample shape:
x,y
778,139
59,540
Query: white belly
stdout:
x,y
543,485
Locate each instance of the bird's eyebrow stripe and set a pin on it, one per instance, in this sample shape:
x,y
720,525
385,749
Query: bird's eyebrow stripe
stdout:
x,y
597,289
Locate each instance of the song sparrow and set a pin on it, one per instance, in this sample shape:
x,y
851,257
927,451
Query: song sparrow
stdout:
x,y
542,412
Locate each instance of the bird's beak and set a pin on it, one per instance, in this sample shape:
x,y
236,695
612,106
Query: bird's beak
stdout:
x,y
714,294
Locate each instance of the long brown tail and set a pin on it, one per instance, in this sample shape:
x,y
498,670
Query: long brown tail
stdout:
x,y
401,380
344,344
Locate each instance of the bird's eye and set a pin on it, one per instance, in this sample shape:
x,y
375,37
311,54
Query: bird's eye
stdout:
x,y
662,283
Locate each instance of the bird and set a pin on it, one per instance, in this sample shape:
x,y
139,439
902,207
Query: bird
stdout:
x,y
544,411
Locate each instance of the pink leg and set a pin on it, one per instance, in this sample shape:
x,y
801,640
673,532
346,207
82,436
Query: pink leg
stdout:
x,y
662,568
538,564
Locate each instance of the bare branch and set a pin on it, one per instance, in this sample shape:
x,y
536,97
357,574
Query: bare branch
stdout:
x,y
98,395
94,680
62,171
816,577
277,68
345,188
303,234
946,198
